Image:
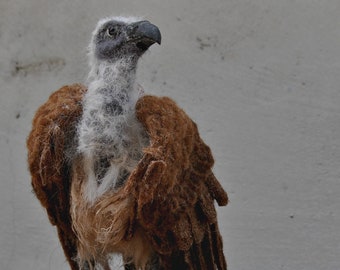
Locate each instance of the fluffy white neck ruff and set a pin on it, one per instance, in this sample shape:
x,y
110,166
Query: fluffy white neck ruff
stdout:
x,y
110,137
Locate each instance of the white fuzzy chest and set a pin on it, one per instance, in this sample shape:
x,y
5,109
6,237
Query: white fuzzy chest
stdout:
x,y
110,138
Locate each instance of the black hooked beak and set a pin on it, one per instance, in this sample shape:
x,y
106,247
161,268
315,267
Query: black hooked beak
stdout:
x,y
144,34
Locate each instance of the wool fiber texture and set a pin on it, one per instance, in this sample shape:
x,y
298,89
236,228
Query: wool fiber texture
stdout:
x,y
166,205
51,146
110,137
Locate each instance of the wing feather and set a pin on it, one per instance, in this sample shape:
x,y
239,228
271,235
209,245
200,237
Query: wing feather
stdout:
x,y
50,145
175,199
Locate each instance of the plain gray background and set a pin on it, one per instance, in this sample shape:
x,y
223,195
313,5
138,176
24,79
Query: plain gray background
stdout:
x,y
261,79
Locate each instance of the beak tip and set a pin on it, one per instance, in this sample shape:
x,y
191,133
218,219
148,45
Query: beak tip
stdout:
x,y
147,30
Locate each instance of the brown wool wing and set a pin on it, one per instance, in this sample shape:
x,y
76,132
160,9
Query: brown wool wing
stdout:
x,y
49,144
175,189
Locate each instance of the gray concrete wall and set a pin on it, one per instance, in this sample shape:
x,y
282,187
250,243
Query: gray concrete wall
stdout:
x,y
260,78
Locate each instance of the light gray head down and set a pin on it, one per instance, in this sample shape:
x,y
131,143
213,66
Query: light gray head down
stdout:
x,y
109,136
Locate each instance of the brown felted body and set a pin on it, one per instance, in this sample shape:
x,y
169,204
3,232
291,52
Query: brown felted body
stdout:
x,y
166,207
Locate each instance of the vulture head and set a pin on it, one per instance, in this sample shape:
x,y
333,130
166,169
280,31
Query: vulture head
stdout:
x,y
116,38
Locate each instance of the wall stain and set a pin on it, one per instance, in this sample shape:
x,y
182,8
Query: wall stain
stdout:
x,y
48,64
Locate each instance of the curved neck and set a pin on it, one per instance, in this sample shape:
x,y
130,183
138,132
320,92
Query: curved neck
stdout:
x,y
112,83
120,73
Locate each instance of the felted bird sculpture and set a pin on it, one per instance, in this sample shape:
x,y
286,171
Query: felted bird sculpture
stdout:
x,y
122,172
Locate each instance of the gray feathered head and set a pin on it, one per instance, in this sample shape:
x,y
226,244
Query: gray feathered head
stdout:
x,y
122,37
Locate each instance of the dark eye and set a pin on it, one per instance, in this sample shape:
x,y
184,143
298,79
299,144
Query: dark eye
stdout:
x,y
111,31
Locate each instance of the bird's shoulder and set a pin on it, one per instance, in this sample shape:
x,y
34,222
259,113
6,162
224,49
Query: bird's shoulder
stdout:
x,y
65,101
53,126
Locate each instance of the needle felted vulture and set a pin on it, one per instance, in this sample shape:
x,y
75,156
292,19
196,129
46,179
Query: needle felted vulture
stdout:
x,y
122,172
